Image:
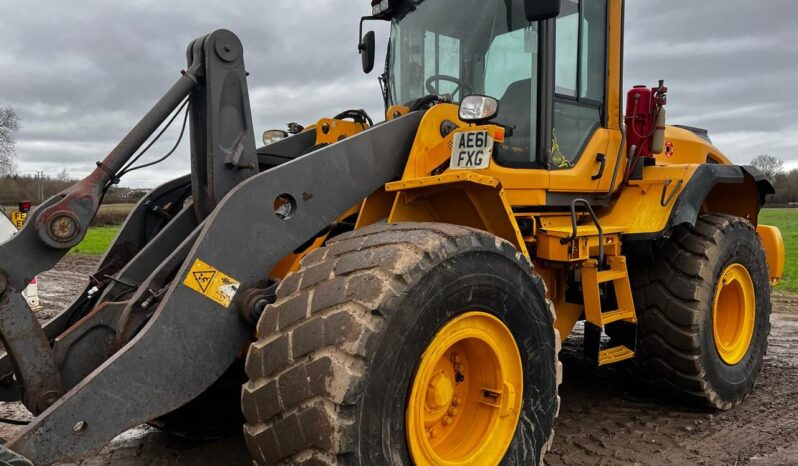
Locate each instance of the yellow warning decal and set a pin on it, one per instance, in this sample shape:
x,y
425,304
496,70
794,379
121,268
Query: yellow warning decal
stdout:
x,y
18,218
212,283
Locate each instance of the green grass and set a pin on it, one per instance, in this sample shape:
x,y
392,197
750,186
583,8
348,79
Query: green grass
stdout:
x,y
97,241
787,221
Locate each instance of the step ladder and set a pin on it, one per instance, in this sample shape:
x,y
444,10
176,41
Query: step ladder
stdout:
x,y
600,287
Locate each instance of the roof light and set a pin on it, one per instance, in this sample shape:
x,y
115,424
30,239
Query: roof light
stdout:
x,y
379,7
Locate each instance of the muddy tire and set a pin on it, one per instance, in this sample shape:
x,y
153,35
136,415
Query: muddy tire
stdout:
x,y
331,372
678,294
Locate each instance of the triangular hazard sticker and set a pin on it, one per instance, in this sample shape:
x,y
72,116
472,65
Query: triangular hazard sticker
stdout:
x,y
204,278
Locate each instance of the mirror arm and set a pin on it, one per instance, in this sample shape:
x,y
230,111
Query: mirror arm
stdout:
x,y
360,34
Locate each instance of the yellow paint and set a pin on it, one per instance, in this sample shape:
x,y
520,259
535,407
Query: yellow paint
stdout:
x,y
395,111
734,314
330,131
773,243
466,396
211,283
18,218
617,275
638,209
458,197
614,68
689,148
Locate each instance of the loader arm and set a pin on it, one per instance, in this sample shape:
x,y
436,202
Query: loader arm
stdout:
x,y
160,321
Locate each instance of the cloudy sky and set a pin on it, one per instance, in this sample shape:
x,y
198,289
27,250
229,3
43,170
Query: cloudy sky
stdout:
x,y
81,73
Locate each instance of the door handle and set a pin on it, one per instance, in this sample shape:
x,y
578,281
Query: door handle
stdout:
x,y
602,159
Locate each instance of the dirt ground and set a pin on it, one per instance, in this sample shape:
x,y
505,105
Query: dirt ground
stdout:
x,y
604,420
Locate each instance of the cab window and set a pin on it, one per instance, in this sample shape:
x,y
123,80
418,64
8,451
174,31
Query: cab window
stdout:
x,y
580,71
510,76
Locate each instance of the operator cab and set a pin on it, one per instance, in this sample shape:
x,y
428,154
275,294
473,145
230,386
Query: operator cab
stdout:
x,y
476,47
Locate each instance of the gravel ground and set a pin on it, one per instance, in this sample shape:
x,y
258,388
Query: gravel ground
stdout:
x,y
605,419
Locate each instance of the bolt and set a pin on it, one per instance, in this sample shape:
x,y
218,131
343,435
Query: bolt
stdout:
x,y
446,420
433,432
79,426
63,228
457,401
456,358
453,411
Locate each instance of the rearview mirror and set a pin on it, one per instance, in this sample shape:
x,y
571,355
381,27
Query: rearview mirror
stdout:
x,y
367,49
539,10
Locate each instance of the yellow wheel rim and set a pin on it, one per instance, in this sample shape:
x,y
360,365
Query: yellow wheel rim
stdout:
x,y
466,396
733,314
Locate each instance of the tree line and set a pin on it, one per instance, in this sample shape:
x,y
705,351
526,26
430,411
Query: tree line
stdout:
x,y
37,188
14,187
785,182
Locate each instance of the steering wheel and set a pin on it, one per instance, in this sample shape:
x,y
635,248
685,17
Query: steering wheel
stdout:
x,y
437,78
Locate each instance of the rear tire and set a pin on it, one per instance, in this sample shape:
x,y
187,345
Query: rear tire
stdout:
x,y
683,311
332,370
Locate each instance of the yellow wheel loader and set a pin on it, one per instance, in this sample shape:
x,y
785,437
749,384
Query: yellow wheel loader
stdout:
x,y
396,293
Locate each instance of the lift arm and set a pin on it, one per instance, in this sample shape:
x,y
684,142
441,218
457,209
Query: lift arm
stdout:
x,y
160,322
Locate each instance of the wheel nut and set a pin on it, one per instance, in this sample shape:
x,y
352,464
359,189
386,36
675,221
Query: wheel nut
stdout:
x,y
456,358
433,432
457,401
453,411
458,367
446,420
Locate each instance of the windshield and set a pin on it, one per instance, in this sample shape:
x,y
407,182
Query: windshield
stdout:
x,y
465,47
478,46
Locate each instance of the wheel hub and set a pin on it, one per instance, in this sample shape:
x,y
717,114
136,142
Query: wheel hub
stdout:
x,y
733,314
466,396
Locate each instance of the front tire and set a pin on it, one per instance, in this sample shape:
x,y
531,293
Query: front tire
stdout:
x,y
339,355
703,302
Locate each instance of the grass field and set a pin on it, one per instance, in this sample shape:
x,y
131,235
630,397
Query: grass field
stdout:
x,y
787,221
98,239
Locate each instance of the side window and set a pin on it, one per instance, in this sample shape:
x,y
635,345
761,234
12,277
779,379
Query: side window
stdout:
x,y
567,49
579,77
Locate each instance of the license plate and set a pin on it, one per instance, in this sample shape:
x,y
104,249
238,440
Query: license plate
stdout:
x,y
471,150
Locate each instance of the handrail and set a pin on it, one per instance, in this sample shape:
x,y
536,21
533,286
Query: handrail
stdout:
x,y
595,221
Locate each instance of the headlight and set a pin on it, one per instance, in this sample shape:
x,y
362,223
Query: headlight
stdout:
x,y
273,135
476,108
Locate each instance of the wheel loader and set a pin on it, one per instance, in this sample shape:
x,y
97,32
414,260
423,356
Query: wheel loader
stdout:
x,y
396,293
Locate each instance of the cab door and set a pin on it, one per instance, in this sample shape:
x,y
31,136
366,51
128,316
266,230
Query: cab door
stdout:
x,y
581,141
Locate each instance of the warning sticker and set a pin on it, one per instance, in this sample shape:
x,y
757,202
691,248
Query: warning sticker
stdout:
x,y
18,218
212,283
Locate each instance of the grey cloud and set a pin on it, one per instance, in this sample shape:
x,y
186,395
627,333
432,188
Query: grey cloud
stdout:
x,y
81,73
